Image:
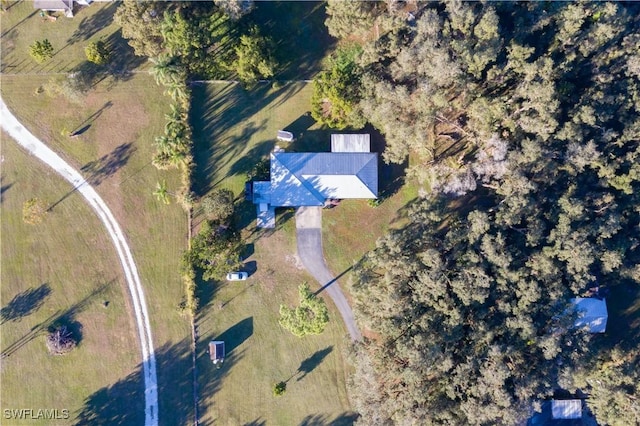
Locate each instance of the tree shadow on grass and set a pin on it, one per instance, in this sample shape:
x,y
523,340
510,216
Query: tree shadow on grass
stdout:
x,y
122,403
344,419
89,26
300,125
93,117
60,317
310,363
205,292
4,189
99,170
215,111
299,34
104,167
25,303
120,66
211,377
237,334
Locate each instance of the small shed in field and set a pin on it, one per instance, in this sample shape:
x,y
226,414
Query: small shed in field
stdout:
x,y
342,142
216,351
592,313
566,409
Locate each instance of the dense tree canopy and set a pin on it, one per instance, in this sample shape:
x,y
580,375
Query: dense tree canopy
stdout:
x,y
201,38
254,59
140,22
215,250
528,113
336,91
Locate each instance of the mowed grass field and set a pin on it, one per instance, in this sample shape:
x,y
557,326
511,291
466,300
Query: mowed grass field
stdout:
x,y
115,153
63,268
22,25
116,120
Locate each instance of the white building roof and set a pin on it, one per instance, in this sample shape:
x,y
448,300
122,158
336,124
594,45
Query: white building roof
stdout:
x,y
592,313
566,409
350,143
284,135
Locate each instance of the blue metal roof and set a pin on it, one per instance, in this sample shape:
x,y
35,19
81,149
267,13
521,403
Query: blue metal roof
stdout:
x,y
308,179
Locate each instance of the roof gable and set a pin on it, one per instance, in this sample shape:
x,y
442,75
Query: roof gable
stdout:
x,y
308,179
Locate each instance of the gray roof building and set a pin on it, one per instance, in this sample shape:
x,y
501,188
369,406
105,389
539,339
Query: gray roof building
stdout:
x,y
65,6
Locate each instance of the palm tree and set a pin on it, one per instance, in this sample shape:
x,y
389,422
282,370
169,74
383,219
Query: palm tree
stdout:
x,y
177,157
164,144
161,192
178,91
165,70
175,130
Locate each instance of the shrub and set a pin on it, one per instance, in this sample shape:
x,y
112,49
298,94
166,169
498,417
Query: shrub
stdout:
x,y
279,388
97,52
60,341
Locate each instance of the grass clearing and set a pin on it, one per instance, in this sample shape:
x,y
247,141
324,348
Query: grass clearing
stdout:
x,y
70,260
22,25
115,153
260,353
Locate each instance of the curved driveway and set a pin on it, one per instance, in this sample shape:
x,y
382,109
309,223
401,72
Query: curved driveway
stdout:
x,y
309,237
27,140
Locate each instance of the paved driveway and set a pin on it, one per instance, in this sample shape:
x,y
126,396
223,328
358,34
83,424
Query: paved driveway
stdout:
x,y
309,236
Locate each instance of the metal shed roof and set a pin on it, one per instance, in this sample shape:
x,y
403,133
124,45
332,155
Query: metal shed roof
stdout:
x,y
566,409
53,5
350,143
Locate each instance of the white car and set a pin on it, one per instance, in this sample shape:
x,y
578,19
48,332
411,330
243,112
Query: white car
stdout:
x,y
237,276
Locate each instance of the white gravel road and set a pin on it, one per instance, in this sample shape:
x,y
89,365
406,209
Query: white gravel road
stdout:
x,y
27,140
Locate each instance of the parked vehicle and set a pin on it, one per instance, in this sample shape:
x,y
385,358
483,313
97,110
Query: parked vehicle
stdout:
x,y
237,276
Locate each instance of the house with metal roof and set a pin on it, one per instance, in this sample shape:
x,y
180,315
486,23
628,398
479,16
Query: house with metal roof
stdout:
x,y
311,179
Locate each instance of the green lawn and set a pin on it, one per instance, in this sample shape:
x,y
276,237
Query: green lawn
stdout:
x,y
61,268
22,25
115,154
235,128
